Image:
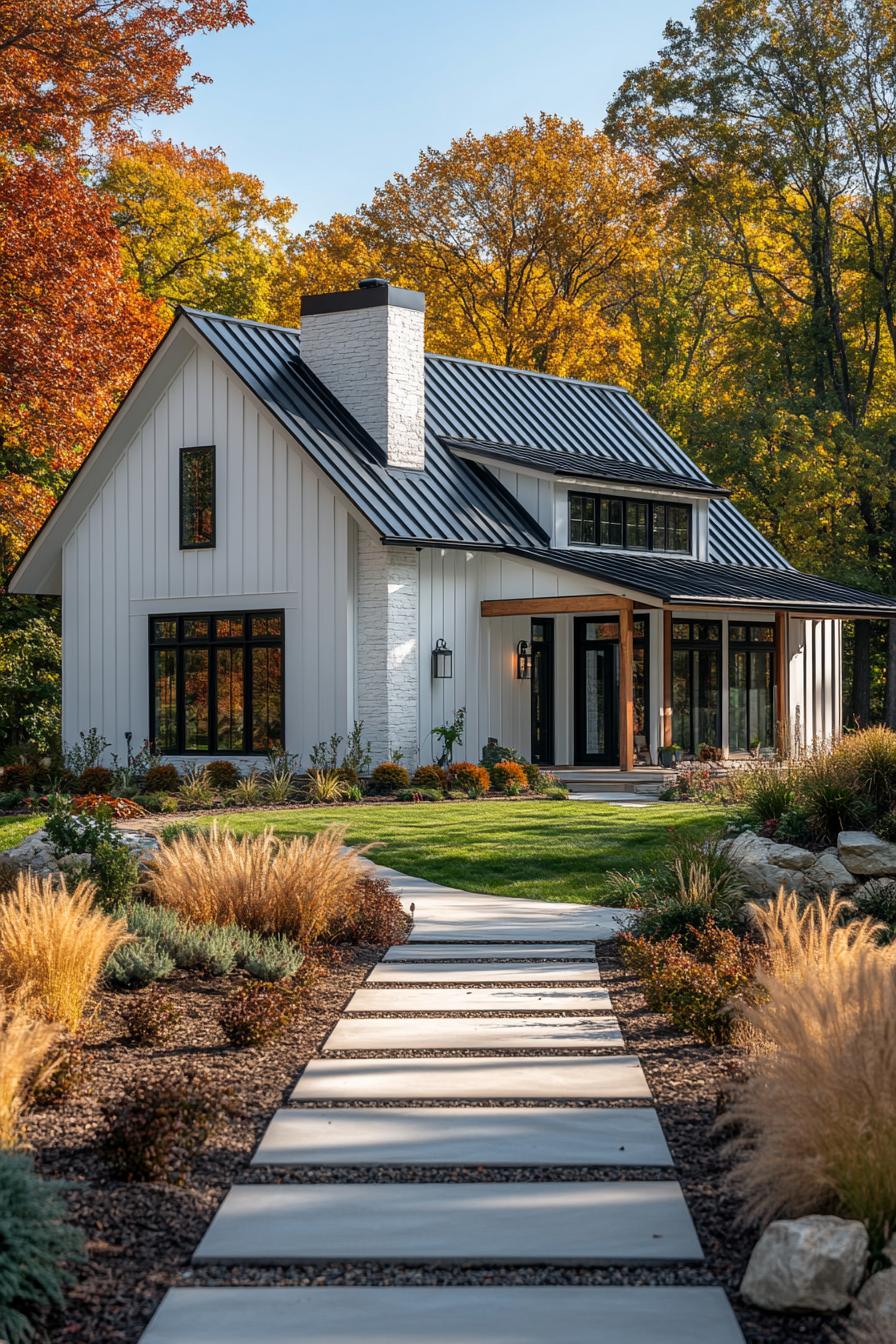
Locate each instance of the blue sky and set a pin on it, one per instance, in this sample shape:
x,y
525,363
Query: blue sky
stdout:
x,y
325,101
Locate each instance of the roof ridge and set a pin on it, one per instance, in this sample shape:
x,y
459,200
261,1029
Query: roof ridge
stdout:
x,y
241,321
529,373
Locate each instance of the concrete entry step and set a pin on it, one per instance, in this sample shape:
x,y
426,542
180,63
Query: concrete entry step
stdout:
x,y
500,998
481,973
551,1077
473,1033
444,1316
500,951
489,1223
431,1136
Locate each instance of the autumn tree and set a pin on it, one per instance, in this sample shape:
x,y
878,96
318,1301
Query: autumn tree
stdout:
x,y
528,243
194,231
773,132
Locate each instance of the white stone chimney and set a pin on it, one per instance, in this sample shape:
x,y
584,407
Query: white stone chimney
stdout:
x,y
366,345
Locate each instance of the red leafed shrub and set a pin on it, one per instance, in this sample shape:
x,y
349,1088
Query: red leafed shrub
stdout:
x,y
430,777
375,917
161,779
123,809
389,778
155,1133
694,988
256,1013
509,777
19,776
95,779
222,774
468,776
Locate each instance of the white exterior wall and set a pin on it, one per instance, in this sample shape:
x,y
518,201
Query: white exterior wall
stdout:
x,y
815,683
284,539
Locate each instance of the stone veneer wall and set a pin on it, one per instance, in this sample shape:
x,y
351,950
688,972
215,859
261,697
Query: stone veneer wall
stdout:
x,y
386,642
371,359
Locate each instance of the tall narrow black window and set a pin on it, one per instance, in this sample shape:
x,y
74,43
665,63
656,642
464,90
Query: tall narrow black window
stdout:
x,y
216,683
751,686
197,498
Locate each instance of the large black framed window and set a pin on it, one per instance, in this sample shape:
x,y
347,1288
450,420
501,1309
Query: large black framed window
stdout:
x,y
632,524
216,683
751,685
197,498
696,684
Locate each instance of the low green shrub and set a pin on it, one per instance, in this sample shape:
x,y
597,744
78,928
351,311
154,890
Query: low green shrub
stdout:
x,y
326,786
274,957
115,872
249,790
195,789
389,777
868,761
415,795
137,964
150,802
556,793
877,900
430,777
471,779
493,752
256,1013
157,1130
830,800
38,1248
207,948
170,804
694,882
768,791
149,1018
162,778
222,774
12,798
694,987
173,830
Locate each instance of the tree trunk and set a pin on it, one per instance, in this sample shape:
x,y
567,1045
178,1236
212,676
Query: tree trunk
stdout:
x,y
890,704
861,675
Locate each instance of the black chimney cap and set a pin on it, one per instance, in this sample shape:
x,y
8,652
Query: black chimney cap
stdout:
x,y
373,282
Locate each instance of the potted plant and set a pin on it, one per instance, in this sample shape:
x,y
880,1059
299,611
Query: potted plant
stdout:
x,y
671,755
755,744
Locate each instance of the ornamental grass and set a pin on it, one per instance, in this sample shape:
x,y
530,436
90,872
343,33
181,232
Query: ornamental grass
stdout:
x,y
297,887
25,1063
54,944
814,1119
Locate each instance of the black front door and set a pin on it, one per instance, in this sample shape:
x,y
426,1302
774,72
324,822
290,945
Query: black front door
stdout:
x,y
596,691
542,643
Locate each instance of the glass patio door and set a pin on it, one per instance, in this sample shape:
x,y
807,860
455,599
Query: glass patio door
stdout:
x,y
596,692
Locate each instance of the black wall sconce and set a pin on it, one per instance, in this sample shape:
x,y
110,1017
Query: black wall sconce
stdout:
x,y
523,661
442,660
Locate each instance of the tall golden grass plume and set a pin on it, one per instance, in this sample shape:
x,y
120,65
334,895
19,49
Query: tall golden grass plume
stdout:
x,y
25,1061
296,887
814,1119
54,944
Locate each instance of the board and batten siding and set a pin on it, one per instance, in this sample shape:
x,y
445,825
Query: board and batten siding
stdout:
x,y
815,689
284,538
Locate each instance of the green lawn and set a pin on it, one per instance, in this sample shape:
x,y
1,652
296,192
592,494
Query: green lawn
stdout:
x,y
14,829
551,851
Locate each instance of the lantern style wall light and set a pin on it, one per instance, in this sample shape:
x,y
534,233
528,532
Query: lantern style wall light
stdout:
x,y
442,659
523,661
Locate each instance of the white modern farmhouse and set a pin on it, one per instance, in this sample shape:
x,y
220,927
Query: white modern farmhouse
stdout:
x,y
277,535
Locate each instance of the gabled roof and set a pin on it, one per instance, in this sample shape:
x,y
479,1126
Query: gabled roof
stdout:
x,y
683,582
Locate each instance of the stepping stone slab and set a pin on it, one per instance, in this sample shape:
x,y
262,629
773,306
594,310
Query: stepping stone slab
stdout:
x,y
434,928
495,1000
444,1316
433,1136
502,951
481,973
553,1077
473,1033
488,1223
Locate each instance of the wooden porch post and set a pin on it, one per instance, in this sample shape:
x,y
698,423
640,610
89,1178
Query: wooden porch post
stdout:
x,y
782,662
667,678
626,690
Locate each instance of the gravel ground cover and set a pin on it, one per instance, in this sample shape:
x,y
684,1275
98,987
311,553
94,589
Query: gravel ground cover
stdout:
x,y
140,1236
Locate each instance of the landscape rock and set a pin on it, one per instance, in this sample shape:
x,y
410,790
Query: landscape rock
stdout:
x,y
828,873
877,1302
748,848
866,854
790,856
36,853
806,1264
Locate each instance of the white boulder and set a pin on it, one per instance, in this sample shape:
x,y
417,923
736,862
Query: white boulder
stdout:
x,y
828,873
814,1263
790,856
36,852
866,854
877,1302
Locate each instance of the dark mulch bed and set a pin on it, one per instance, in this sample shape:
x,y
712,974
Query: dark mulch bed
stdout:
x,y
686,1078
141,1236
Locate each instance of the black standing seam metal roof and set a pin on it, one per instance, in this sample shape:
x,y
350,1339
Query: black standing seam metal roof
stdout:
x,y
455,502
689,582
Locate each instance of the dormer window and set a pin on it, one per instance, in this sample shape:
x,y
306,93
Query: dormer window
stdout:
x,y
197,498
630,524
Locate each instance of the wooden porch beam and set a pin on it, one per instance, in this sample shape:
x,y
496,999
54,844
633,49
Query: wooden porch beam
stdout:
x,y
782,662
667,678
626,690
553,606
